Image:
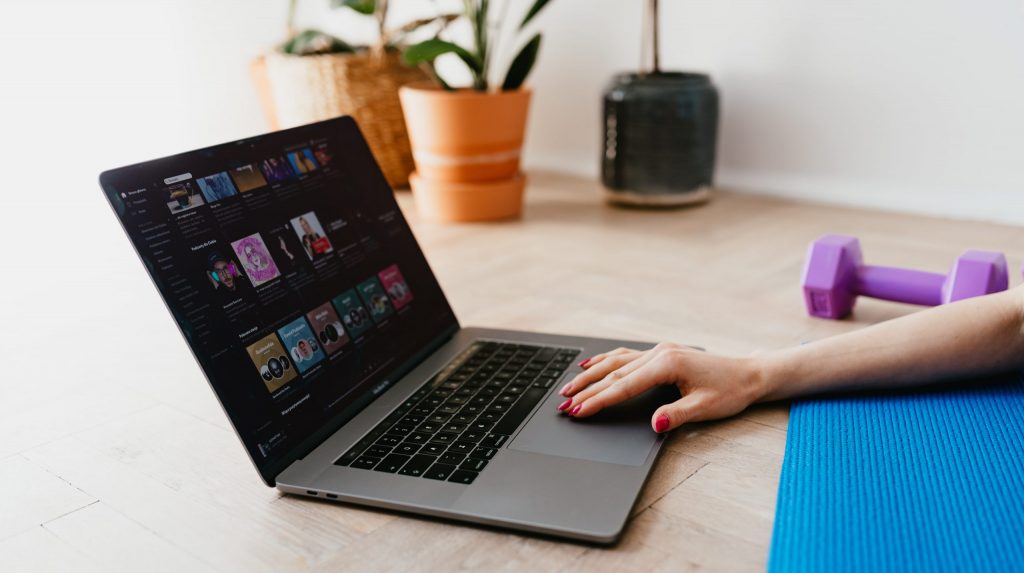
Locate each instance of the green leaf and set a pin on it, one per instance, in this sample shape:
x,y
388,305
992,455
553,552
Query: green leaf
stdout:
x,y
537,7
309,42
521,65
362,6
429,50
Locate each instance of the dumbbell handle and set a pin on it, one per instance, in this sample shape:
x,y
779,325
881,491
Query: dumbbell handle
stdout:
x,y
900,285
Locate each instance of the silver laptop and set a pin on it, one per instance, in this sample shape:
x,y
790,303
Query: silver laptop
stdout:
x,y
311,309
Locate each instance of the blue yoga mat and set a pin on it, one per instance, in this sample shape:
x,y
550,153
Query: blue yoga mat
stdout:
x,y
929,480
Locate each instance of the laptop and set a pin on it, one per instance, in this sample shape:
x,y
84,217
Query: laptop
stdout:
x,y
305,298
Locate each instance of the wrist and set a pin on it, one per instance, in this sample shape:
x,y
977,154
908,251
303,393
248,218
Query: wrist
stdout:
x,y
762,377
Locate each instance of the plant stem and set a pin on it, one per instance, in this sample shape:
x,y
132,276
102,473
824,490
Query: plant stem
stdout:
x,y
498,32
381,14
290,26
654,36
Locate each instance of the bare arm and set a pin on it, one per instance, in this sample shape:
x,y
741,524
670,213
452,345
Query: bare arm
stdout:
x,y
968,338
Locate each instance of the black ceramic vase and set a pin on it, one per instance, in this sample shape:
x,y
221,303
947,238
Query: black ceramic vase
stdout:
x,y
660,131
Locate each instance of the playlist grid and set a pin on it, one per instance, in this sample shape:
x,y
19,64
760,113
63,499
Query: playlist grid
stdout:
x,y
263,240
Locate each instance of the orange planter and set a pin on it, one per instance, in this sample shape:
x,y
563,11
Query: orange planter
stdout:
x,y
466,146
465,135
448,202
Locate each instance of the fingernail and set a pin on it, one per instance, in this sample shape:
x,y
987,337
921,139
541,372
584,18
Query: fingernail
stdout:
x,y
565,405
583,363
576,410
661,423
565,389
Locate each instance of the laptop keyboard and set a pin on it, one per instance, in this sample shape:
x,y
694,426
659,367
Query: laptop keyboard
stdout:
x,y
457,421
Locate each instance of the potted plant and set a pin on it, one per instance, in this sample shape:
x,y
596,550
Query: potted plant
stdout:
x,y
313,76
467,141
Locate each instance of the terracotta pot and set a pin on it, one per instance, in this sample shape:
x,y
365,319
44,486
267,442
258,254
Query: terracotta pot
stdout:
x,y
466,135
448,202
466,146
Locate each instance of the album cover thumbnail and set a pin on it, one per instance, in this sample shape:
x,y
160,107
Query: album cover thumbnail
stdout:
x,y
327,327
223,274
311,234
376,300
352,312
395,286
247,178
216,187
256,259
285,249
323,157
183,196
302,346
303,161
272,362
276,170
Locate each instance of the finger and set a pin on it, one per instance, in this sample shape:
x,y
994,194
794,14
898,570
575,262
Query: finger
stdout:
x,y
689,408
612,377
588,362
598,371
628,386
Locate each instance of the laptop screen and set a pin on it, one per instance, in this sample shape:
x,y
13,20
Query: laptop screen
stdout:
x,y
292,274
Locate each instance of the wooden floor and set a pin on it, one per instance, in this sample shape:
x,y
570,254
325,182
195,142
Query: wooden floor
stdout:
x,y
115,456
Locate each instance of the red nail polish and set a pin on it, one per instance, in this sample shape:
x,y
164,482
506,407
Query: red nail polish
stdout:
x,y
583,363
576,410
565,405
565,389
661,423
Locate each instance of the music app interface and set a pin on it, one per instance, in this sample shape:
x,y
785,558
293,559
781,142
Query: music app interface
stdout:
x,y
290,270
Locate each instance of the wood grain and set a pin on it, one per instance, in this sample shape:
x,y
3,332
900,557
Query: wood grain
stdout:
x,y
134,467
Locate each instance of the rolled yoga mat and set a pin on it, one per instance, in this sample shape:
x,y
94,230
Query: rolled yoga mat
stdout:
x,y
929,480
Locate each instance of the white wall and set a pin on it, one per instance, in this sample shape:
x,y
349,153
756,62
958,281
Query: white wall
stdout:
x,y
912,105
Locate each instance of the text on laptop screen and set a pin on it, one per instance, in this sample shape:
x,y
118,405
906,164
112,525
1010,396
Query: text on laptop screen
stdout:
x,y
291,272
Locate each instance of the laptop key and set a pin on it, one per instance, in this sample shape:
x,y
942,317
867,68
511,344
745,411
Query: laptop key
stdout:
x,y
433,449
417,465
401,430
461,447
494,441
391,463
439,471
474,464
349,457
365,462
483,453
472,436
481,426
451,458
377,451
407,449
515,416
444,438
429,427
389,440
418,438
490,416
465,477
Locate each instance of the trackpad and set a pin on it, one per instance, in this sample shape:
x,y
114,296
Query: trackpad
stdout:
x,y
621,434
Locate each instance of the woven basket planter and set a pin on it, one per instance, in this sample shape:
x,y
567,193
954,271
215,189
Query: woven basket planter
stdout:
x,y
304,89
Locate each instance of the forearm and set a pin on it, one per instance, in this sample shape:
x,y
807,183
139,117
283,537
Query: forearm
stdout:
x,y
970,337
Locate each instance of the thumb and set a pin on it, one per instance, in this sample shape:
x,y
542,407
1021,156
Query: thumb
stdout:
x,y
671,416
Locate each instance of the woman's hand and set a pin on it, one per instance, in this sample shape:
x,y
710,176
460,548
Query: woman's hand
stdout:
x,y
711,386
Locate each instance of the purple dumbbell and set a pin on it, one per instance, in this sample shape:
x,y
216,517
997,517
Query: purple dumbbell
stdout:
x,y
834,277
